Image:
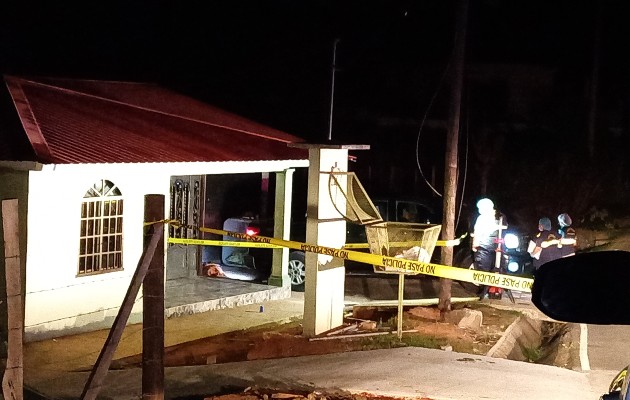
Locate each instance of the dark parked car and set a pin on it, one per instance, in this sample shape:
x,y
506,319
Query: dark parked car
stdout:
x,y
254,264
248,263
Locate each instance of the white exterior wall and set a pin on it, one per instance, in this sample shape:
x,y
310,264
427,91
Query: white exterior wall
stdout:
x,y
324,288
59,302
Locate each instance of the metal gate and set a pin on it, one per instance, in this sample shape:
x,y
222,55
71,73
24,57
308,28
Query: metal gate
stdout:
x,y
185,207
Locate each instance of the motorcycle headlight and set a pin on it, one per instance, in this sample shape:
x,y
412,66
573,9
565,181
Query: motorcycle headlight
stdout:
x,y
511,241
513,266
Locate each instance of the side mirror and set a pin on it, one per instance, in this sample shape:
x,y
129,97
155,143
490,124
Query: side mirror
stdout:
x,y
591,288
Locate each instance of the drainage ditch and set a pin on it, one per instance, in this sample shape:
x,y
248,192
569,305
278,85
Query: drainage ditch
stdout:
x,y
538,341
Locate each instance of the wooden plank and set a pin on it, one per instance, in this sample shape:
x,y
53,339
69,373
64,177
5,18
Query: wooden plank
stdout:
x,y
411,302
97,375
13,379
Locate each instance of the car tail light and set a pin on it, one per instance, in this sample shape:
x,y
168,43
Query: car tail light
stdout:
x,y
252,231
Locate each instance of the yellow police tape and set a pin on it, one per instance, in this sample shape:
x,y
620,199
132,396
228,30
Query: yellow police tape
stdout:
x,y
392,263
230,243
205,242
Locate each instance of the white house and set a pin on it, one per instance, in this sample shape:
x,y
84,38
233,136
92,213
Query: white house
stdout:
x,y
81,155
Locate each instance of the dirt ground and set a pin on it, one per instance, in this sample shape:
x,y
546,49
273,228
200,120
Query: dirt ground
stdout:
x,y
365,329
266,394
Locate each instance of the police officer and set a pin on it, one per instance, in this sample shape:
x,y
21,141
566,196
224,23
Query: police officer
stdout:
x,y
485,235
567,236
543,246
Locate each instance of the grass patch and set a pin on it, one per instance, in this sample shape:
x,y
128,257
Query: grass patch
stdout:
x,y
424,341
408,340
532,354
415,340
381,342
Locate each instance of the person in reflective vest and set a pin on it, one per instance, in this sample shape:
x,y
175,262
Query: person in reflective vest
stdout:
x,y
567,236
485,239
543,246
534,248
561,243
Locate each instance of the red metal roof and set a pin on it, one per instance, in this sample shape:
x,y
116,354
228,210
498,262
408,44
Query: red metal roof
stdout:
x,y
81,121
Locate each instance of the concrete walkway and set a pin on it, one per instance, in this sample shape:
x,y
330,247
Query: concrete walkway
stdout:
x,y
53,367
46,360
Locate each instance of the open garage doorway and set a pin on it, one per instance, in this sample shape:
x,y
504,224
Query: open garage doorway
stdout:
x,y
230,202
235,203
246,203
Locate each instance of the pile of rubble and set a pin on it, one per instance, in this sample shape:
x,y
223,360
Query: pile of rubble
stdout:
x,y
259,393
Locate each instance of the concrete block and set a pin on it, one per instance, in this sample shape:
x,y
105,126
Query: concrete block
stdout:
x,y
465,318
472,320
524,333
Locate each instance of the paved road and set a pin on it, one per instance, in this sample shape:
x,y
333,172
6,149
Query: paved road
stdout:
x,y
608,347
604,351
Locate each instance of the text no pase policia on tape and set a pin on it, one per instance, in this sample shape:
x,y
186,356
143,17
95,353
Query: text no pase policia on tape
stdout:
x,y
392,263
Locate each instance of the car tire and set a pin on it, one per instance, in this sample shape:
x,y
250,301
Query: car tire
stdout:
x,y
297,271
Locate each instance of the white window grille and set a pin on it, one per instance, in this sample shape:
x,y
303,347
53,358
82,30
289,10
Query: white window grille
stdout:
x,y
100,249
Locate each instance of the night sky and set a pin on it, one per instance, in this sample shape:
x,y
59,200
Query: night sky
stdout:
x,y
271,61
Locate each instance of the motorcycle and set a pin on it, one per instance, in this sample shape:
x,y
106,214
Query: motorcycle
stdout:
x,y
513,259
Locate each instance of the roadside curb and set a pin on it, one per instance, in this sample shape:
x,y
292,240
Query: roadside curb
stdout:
x,y
522,334
525,338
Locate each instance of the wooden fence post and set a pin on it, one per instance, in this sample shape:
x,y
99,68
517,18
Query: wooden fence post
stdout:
x,y
153,311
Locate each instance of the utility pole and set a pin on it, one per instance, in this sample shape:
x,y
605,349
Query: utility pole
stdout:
x,y
332,89
452,140
594,84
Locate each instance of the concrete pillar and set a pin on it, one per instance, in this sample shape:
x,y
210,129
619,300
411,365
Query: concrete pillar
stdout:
x,y
325,275
282,228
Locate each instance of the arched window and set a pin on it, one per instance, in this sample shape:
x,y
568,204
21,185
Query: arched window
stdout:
x,y
100,249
